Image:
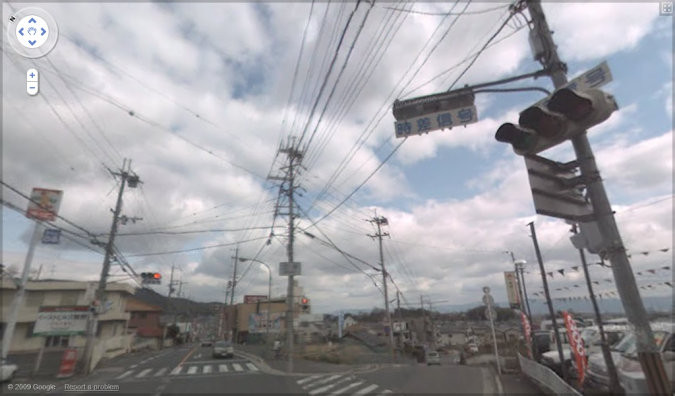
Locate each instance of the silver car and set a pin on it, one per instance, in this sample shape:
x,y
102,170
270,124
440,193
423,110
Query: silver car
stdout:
x,y
223,349
433,358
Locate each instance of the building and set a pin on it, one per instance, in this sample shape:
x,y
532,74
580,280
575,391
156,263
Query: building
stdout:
x,y
144,320
112,338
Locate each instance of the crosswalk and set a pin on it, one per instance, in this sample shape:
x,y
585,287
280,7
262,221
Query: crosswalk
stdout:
x,y
190,369
338,384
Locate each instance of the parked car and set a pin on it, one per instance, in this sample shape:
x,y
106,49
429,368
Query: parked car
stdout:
x,y
207,342
7,370
597,375
432,357
631,377
223,348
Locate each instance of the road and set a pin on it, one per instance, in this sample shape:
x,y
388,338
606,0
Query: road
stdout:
x,y
188,370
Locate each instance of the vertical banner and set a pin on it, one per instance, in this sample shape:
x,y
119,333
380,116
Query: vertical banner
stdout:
x,y
577,345
512,289
527,329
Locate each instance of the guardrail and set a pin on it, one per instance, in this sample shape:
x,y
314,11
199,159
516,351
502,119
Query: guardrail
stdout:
x,y
545,377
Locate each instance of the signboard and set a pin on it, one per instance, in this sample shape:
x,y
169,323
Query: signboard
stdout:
x,y
576,344
288,269
67,320
554,191
435,121
512,289
44,204
67,367
252,299
51,236
257,322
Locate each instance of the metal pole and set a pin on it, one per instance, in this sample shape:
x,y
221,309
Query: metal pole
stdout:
x,y
527,301
615,252
518,282
548,299
269,301
384,280
20,292
234,309
614,386
494,337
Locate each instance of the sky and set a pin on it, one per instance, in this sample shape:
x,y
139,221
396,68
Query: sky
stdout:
x,y
201,97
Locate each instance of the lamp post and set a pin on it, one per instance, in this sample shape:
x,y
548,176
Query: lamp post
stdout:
x,y
269,292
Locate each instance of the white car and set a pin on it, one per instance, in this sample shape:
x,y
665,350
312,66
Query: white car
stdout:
x,y
223,348
631,377
7,370
597,374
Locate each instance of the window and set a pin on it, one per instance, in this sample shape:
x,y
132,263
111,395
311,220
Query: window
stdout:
x,y
57,341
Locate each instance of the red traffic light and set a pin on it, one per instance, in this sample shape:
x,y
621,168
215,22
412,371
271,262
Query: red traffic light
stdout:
x,y
304,300
157,275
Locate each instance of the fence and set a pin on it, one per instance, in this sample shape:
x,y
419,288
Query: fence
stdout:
x,y
545,377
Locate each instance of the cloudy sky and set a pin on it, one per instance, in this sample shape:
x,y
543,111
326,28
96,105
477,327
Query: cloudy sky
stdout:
x,y
200,97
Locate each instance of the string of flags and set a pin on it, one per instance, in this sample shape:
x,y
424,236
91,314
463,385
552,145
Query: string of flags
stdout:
x,y
603,293
602,263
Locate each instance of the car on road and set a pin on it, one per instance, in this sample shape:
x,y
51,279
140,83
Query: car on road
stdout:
x,y
433,357
7,370
597,374
223,349
631,377
207,342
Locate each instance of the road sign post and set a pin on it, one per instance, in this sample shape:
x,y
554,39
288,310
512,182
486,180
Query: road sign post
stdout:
x,y
491,313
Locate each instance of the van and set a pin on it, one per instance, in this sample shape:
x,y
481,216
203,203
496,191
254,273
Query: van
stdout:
x,y
433,357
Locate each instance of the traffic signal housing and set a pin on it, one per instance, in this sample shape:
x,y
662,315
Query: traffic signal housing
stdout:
x,y
562,116
151,278
304,305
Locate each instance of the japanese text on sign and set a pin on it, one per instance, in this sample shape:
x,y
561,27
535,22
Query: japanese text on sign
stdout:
x,y
431,122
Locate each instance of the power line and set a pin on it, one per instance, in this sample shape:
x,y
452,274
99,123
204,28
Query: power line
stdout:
x,y
194,249
446,13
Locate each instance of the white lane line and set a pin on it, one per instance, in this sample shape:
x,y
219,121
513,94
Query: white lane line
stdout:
x,y
222,368
387,391
143,373
193,369
322,381
366,390
302,381
251,367
133,366
329,386
126,374
207,369
237,367
177,370
348,387
160,372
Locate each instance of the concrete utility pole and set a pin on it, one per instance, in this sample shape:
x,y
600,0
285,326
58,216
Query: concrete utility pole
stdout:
x,y
548,298
400,320
614,250
234,284
380,221
99,299
614,386
294,156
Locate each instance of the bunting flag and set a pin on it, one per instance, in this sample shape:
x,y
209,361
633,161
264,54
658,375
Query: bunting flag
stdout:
x,y
665,250
550,274
639,273
608,280
596,282
576,268
669,284
653,271
666,267
562,271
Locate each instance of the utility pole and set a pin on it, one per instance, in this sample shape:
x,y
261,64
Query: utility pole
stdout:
x,y
614,251
548,298
424,319
614,386
234,284
99,299
380,221
294,156
400,320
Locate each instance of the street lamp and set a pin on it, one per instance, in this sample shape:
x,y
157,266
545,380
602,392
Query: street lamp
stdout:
x,y
269,292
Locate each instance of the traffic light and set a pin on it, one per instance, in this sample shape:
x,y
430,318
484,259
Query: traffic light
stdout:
x,y
152,278
304,304
564,115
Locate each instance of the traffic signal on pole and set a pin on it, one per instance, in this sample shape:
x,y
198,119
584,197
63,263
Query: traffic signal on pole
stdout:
x,y
154,278
304,304
562,116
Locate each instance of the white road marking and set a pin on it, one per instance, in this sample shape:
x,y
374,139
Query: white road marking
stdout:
x,y
237,367
302,381
143,373
222,368
176,370
322,381
329,386
126,374
134,366
193,369
161,372
251,367
366,390
207,369
350,386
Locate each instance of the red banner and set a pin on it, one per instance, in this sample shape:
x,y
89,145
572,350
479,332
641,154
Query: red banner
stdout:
x,y
577,345
68,361
528,333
